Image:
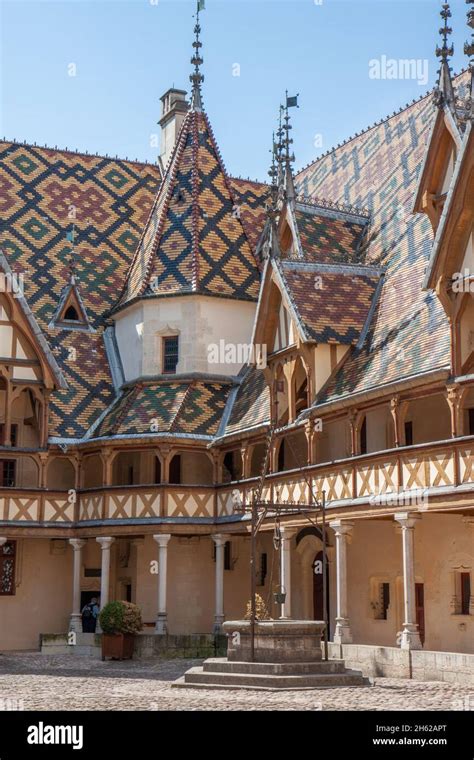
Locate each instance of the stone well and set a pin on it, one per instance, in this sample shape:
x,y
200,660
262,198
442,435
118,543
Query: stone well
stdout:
x,y
275,640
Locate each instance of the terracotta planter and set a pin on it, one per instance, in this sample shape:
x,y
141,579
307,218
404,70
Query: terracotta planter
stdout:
x,y
117,646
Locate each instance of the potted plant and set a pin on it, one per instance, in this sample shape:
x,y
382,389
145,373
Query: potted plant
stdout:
x,y
119,621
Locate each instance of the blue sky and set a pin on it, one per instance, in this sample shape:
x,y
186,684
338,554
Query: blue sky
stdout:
x,y
128,52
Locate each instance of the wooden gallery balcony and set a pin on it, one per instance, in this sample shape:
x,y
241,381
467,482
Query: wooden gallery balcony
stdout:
x,y
435,475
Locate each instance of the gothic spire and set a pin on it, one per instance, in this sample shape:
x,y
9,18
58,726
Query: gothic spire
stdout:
x,y
197,78
444,92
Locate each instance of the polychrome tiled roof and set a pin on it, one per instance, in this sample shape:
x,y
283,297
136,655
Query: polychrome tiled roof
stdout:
x,y
152,408
378,170
251,405
194,240
110,199
333,302
330,237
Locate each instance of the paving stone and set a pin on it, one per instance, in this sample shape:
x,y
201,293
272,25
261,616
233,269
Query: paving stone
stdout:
x,y
32,681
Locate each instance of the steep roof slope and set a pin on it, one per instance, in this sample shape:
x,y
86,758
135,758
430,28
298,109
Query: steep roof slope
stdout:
x,y
194,240
378,170
42,192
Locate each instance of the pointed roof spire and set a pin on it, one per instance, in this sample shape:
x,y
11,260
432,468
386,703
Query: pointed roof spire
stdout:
x,y
444,92
469,51
197,78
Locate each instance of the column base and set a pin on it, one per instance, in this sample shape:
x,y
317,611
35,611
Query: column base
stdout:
x,y
161,625
342,634
75,622
410,638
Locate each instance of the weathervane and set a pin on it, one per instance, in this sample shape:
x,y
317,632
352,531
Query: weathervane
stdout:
x,y
197,78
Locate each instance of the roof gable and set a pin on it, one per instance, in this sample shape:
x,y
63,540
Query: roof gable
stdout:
x,y
194,240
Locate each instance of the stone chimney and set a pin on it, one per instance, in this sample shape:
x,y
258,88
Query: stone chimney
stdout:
x,y
173,110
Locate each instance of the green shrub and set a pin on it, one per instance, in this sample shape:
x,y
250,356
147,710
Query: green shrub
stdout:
x,y
121,617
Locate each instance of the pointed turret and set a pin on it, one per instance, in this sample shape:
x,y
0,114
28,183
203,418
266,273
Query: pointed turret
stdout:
x,y
194,241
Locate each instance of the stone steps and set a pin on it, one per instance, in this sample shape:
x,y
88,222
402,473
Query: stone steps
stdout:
x,y
219,675
222,665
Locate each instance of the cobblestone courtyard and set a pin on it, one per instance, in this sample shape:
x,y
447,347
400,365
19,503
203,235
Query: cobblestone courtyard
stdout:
x,y
30,681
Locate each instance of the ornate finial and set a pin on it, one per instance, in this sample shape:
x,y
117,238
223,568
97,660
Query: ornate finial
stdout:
x,y
196,77
469,51
273,174
289,156
444,91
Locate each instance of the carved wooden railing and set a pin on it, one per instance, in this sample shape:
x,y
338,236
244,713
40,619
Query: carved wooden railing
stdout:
x,y
378,477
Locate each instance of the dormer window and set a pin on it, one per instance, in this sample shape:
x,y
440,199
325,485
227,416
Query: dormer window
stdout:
x,y
71,314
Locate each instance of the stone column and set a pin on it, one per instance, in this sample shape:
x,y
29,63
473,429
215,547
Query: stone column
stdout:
x,y
285,576
410,638
220,542
75,623
342,529
105,544
162,540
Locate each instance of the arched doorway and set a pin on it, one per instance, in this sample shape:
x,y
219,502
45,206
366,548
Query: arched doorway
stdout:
x,y
318,613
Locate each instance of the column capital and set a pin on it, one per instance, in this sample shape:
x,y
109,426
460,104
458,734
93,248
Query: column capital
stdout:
x,y
77,543
287,532
220,538
407,519
342,527
105,542
162,539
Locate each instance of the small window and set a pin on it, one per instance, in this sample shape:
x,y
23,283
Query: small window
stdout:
x,y
170,354
8,473
7,568
363,437
71,314
408,433
465,593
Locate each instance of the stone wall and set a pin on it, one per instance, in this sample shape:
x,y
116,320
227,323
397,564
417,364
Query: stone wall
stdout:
x,y
390,662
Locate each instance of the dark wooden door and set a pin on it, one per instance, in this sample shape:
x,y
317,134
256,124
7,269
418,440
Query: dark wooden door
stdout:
x,y
420,609
318,589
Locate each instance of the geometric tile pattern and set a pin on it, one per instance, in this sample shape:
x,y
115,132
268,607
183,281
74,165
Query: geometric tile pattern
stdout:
x,y
42,191
145,409
378,170
333,303
252,403
329,240
250,199
194,240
